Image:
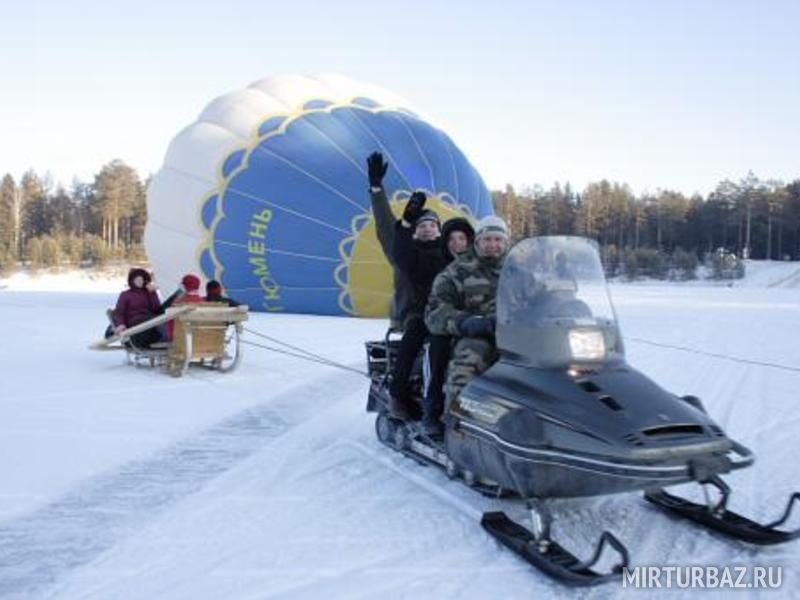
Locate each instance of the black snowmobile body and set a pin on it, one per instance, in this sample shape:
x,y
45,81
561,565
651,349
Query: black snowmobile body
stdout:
x,y
556,433
562,414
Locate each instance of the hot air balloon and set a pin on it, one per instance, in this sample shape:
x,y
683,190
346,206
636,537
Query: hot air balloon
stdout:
x,y
267,193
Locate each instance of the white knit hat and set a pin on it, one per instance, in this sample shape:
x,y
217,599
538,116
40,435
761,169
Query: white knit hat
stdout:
x,y
491,224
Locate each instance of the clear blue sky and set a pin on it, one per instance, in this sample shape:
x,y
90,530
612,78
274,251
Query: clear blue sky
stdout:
x,y
676,94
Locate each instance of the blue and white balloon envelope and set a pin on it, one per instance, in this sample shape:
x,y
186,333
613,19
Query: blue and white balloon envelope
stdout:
x,y
267,192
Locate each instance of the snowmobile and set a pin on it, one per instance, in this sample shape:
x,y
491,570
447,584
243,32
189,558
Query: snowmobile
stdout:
x,y
562,414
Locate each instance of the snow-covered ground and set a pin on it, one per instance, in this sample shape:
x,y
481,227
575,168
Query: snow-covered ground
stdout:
x,y
82,280
118,482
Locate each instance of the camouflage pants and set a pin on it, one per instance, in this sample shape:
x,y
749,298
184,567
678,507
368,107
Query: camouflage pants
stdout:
x,y
471,357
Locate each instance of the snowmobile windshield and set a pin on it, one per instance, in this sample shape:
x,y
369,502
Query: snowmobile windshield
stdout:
x,y
553,306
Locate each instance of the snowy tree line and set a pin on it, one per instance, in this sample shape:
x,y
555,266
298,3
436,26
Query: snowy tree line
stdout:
x,y
658,235
87,224
664,234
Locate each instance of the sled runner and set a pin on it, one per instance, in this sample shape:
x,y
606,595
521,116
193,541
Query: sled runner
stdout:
x,y
207,333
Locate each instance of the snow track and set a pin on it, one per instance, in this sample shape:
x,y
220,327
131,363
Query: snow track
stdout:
x,y
38,548
791,281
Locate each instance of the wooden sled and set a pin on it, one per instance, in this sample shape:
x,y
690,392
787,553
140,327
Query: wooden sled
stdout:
x,y
208,333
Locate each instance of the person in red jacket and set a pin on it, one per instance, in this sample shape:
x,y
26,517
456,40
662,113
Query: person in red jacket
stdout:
x,y
190,285
136,305
191,290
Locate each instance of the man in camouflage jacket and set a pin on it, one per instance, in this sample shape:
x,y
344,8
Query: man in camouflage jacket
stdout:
x,y
463,302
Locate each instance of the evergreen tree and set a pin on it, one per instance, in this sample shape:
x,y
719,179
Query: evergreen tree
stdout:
x,y
725,198
63,213
517,211
8,217
118,195
34,218
791,217
83,197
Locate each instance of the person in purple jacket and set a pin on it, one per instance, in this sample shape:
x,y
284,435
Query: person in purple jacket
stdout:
x,y
138,304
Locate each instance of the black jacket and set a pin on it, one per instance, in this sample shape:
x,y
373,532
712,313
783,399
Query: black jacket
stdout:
x,y
420,262
221,299
385,229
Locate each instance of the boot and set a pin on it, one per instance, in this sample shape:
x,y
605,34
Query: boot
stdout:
x,y
398,409
433,428
432,411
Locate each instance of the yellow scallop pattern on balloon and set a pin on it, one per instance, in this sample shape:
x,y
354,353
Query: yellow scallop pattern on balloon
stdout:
x,y
365,274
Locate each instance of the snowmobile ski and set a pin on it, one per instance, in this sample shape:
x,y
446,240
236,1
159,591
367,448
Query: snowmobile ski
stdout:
x,y
549,557
718,518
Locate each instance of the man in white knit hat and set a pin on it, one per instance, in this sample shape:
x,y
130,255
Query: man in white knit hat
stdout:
x,y
463,303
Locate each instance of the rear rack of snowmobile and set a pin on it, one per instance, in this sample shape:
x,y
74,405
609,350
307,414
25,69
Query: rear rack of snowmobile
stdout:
x,y
381,354
207,333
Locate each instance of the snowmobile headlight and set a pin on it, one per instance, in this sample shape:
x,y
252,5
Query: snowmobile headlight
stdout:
x,y
587,344
486,410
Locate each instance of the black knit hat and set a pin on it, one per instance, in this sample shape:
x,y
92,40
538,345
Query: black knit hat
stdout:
x,y
428,215
458,224
213,288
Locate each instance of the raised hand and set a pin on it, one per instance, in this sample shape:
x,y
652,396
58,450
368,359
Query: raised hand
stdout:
x,y
376,168
414,207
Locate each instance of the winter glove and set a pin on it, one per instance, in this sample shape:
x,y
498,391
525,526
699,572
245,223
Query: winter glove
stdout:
x,y
376,168
414,207
477,326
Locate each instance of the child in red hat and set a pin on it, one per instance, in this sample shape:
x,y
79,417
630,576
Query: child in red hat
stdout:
x,y
190,285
